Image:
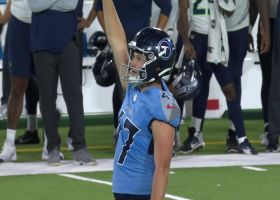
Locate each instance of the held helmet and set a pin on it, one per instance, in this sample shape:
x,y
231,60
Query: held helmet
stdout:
x,y
159,51
188,81
97,42
104,69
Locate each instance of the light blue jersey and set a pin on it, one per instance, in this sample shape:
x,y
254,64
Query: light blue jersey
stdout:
x,y
134,161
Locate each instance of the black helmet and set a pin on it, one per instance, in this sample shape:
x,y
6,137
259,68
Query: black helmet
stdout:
x,y
160,55
97,42
188,81
104,69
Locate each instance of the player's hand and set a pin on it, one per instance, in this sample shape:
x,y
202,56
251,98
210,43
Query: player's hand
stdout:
x,y
82,23
251,46
189,50
265,43
265,40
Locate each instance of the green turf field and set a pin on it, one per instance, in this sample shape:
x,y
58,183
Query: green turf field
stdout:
x,y
222,183
99,138
207,183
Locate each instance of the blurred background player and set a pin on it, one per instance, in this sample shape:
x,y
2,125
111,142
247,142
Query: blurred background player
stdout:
x,y
31,95
56,55
21,69
265,59
4,18
274,96
196,47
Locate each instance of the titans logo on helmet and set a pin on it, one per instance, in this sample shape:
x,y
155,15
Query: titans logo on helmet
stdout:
x,y
165,48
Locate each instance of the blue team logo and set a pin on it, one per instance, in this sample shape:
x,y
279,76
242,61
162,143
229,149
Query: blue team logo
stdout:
x,y
165,48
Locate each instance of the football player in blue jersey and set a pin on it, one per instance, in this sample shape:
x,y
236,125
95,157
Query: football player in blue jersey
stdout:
x,y
149,114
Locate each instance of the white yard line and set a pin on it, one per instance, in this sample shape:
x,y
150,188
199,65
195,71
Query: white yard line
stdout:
x,y
189,161
254,168
81,178
169,196
92,180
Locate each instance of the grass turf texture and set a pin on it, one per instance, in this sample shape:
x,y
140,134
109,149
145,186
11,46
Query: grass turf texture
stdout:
x,y
221,183
100,142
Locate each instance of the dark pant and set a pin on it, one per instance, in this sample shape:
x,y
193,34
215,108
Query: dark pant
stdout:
x,y
31,94
274,93
66,66
131,197
31,97
266,62
6,85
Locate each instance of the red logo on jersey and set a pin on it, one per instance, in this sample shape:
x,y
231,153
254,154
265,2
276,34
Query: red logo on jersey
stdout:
x,y
170,106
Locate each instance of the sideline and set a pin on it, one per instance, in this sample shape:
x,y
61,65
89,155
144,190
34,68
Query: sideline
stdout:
x,y
188,161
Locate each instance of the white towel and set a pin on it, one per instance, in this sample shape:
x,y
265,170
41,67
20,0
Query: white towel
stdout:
x,y
218,49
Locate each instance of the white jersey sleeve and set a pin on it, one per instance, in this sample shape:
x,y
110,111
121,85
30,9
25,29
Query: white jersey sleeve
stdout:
x,y
21,10
240,17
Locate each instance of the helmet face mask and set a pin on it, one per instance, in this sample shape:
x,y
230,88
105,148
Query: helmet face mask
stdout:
x,y
154,51
135,74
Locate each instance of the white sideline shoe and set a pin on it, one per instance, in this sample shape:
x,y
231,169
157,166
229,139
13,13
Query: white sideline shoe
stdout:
x,y
8,152
69,144
3,111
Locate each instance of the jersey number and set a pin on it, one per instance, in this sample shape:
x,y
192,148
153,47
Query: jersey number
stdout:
x,y
198,11
132,130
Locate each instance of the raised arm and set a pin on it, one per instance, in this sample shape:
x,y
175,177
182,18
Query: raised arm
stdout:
x,y
115,35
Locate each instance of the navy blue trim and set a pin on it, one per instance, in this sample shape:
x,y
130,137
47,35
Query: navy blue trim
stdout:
x,y
119,196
